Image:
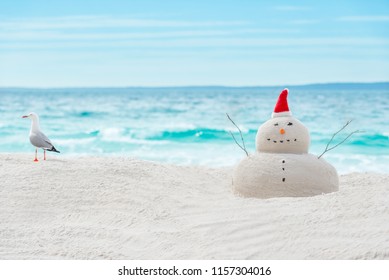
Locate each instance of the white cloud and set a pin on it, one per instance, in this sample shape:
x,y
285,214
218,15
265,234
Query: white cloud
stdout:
x,y
364,18
40,35
90,22
212,42
304,21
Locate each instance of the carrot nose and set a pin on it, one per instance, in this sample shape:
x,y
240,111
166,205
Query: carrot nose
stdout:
x,y
282,131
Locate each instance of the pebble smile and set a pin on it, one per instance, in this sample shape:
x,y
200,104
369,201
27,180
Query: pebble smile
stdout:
x,y
282,141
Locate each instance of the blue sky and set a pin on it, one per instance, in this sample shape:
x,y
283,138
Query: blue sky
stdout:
x,y
175,43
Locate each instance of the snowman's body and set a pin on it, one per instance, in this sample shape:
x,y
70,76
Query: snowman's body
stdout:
x,y
266,175
281,165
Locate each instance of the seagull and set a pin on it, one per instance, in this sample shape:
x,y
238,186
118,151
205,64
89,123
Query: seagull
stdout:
x,y
37,138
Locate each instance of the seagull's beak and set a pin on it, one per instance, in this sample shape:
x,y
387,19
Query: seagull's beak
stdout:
x,y
23,117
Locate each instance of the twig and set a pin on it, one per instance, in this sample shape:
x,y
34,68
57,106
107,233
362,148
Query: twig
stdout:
x,y
241,136
238,143
332,138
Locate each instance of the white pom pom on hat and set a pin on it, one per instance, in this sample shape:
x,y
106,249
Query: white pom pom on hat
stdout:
x,y
281,109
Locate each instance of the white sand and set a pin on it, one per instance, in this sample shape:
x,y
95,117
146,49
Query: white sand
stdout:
x,y
117,208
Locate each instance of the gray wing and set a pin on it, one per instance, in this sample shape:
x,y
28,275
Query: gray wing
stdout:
x,y
39,140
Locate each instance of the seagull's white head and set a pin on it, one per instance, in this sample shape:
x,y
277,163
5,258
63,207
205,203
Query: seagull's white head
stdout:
x,y
33,116
34,121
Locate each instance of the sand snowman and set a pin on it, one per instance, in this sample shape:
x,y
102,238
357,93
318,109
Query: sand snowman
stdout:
x,y
282,165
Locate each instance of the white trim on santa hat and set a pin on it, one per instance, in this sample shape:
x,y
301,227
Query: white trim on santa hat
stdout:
x,y
281,114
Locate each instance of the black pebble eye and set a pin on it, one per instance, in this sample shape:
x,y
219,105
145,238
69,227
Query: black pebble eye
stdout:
x,y
276,124
290,123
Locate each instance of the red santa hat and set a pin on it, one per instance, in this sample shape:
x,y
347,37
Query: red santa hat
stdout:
x,y
281,109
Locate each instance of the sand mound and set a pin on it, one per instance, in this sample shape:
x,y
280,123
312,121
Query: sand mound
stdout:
x,y
266,175
115,208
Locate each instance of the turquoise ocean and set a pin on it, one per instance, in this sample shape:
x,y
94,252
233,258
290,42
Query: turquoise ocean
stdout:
x,y
188,125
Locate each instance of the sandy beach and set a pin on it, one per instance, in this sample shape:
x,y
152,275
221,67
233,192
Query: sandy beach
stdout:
x,y
123,208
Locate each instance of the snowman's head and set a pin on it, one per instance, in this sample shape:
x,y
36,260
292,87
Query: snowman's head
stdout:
x,y
282,133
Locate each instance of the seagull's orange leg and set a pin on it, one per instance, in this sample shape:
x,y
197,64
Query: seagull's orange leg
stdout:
x,y
44,154
36,155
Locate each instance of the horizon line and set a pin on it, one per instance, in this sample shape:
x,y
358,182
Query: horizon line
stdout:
x,y
195,86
